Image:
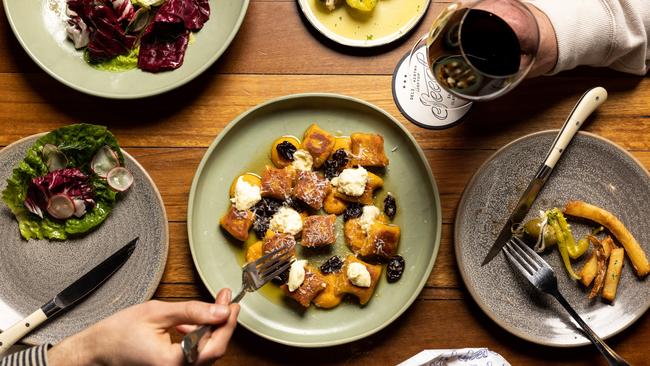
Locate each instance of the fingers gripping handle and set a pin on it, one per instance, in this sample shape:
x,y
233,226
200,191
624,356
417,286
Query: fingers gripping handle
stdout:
x,y
20,329
591,100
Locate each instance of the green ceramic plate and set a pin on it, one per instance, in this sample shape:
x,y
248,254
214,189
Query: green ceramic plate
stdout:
x,y
388,22
244,146
39,27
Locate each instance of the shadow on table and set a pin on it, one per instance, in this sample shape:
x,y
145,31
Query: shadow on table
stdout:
x,y
496,117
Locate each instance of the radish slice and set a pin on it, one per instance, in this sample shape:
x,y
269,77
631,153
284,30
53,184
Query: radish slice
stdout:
x,y
79,207
47,149
53,157
140,19
104,160
119,179
60,206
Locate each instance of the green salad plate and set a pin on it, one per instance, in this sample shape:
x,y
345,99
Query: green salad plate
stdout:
x,y
244,146
39,26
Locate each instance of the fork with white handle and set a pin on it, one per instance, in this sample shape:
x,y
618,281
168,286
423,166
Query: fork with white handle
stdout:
x,y
254,275
541,275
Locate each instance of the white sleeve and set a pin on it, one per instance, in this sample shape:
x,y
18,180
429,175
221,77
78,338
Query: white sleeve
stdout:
x,y
612,33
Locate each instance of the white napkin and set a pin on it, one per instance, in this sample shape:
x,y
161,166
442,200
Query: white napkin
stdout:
x,y
456,357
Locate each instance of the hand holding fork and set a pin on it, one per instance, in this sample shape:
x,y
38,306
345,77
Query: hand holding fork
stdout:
x,y
254,275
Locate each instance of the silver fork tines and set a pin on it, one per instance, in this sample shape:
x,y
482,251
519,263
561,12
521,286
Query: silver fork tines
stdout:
x,y
541,275
254,275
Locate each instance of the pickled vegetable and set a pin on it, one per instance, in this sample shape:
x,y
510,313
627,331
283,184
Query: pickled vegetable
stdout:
x,y
574,250
363,5
564,238
533,228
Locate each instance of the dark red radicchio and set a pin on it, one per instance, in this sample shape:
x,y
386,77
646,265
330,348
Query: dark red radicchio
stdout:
x,y
163,44
71,181
107,37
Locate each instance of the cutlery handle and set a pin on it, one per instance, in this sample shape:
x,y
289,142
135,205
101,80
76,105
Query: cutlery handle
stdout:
x,y
612,357
190,342
18,330
588,103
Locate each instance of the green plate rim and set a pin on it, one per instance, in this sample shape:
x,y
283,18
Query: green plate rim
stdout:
x,y
477,299
150,93
421,155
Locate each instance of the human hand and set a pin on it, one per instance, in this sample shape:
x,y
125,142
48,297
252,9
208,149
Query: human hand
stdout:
x,y
547,52
139,335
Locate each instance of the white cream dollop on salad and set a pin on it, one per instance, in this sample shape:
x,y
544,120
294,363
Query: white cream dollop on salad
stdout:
x,y
296,275
358,274
351,181
302,160
286,220
368,217
246,195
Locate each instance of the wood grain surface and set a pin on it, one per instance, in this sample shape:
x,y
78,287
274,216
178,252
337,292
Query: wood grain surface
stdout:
x,y
169,134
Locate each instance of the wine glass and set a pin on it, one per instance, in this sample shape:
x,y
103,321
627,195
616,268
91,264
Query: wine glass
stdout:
x,y
478,50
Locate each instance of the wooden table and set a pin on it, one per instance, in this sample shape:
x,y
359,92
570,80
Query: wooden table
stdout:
x,y
276,53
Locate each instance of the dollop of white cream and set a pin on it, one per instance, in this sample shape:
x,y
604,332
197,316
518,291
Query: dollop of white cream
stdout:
x,y
357,274
302,160
286,220
368,217
351,181
246,195
296,275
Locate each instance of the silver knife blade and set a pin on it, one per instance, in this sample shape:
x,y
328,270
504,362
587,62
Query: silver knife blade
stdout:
x,y
89,281
520,211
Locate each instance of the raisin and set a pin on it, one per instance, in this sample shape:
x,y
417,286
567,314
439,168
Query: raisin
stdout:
x,y
286,150
334,264
395,268
282,278
335,164
295,204
390,206
264,210
260,226
267,207
353,210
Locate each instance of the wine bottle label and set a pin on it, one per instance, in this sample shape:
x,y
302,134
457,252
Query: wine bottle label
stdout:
x,y
421,99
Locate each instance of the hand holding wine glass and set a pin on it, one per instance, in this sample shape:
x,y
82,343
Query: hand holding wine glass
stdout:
x,y
481,49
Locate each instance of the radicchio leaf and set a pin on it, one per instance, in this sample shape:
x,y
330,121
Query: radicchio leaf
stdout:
x,y
77,30
193,13
124,9
107,36
71,181
165,40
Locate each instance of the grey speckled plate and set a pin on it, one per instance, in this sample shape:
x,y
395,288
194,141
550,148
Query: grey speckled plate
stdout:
x,y
39,26
32,272
245,146
593,170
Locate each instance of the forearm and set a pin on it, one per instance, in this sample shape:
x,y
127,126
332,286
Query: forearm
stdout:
x,y
34,356
73,351
611,33
547,55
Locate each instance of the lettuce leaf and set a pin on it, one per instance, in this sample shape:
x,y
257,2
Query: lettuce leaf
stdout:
x,y
79,143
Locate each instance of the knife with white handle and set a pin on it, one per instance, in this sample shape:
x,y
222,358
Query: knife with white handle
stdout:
x,y
86,284
588,103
